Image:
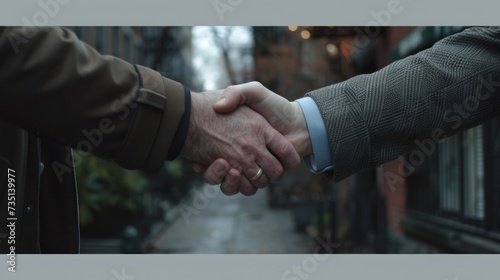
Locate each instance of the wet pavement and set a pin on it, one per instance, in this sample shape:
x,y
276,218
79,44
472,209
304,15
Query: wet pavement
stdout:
x,y
211,222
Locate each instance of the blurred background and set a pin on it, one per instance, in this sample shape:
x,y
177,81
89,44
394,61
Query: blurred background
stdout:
x,y
449,204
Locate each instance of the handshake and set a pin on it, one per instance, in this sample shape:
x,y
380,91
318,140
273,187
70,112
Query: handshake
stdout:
x,y
245,137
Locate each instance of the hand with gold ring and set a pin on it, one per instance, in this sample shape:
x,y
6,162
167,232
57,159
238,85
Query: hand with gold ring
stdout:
x,y
286,117
243,139
231,179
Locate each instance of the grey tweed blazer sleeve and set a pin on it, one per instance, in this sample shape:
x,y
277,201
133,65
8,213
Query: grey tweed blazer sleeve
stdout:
x,y
374,118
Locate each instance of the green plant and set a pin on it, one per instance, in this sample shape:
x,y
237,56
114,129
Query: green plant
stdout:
x,y
103,184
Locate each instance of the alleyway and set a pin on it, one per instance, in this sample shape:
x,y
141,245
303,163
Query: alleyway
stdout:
x,y
236,224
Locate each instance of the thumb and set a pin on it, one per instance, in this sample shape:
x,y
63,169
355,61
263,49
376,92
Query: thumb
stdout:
x,y
251,94
230,99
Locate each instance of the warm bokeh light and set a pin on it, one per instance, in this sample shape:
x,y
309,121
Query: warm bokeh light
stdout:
x,y
292,28
332,50
305,34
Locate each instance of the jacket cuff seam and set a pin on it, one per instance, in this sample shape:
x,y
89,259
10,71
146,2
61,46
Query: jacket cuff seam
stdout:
x,y
138,142
182,130
170,123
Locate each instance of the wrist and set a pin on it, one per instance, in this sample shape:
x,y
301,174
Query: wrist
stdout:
x,y
200,131
182,129
192,136
300,138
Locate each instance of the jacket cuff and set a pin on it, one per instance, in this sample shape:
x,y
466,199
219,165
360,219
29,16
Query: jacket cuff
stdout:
x,y
159,109
182,130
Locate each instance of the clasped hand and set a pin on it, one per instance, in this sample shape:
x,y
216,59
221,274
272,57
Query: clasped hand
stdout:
x,y
245,137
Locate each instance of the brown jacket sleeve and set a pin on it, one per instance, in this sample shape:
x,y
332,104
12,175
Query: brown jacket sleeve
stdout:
x,y
59,87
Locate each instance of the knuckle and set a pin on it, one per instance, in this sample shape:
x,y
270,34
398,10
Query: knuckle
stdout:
x,y
284,149
264,183
276,173
249,151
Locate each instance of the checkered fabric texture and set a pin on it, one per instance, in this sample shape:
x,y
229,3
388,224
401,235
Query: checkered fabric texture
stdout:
x,y
372,119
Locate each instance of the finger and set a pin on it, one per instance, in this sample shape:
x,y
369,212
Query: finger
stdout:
x,y
283,150
260,182
273,107
246,188
233,96
262,159
272,168
198,167
230,99
230,185
216,172
251,150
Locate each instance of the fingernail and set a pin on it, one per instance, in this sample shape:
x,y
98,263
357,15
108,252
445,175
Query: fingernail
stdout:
x,y
221,102
219,168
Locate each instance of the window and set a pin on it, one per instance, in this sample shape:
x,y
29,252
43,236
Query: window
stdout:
x,y
449,182
116,41
473,173
99,40
79,32
127,42
459,184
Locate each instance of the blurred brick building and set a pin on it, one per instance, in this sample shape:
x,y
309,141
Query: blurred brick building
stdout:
x,y
450,202
146,201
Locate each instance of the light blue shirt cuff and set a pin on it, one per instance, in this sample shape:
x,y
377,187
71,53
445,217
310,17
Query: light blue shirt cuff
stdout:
x,y
321,159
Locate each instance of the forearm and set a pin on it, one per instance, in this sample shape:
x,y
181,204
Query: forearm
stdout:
x,y
372,119
63,89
